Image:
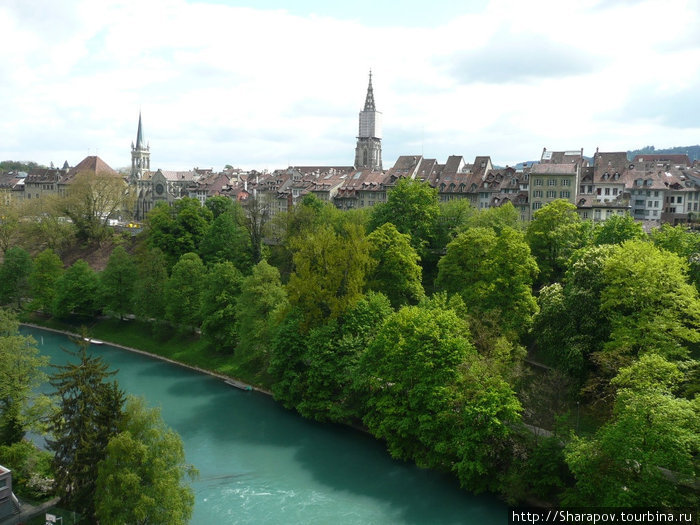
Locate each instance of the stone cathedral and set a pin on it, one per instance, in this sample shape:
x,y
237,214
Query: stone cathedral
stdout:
x,y
368,152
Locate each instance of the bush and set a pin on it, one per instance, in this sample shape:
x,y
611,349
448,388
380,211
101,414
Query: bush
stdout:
x,y
31,469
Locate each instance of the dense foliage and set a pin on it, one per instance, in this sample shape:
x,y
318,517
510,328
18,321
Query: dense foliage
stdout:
x,y
414,321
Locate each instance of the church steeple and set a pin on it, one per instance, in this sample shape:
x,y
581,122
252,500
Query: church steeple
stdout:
x,y
139,135
368,152
140,155
369,101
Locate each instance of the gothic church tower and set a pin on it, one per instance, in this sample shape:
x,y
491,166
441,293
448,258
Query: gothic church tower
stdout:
x,y
140,156
368,152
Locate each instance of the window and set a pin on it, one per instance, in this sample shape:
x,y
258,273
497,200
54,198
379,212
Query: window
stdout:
x,y
614,191
672,197
551,182
536,205
649,204
564,194
551,194
607,191
679,200
566,182
656,193
585,215
639,203
538,182
537,193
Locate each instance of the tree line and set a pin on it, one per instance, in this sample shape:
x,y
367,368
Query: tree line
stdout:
x,y
414,320
110,458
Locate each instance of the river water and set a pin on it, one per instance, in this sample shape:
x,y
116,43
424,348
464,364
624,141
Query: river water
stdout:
x,y
261,464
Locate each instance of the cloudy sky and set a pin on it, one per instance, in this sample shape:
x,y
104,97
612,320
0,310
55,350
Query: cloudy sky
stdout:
x,y
266,84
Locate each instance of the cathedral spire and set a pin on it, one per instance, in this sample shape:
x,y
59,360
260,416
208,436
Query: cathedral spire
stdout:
x,y
368,152
369,101
139,135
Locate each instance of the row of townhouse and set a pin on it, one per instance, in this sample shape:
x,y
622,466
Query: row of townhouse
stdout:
x,y
653,189
43,182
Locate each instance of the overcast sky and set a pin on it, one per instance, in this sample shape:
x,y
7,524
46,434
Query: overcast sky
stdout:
x,y
262,84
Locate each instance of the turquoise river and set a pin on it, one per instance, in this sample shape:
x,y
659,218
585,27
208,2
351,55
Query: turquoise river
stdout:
x,y
259,463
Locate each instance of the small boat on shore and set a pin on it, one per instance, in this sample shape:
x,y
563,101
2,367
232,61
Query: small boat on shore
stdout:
x,y
238,384
93,341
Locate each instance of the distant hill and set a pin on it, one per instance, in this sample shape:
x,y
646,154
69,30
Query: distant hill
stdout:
x,y
693,152
16,165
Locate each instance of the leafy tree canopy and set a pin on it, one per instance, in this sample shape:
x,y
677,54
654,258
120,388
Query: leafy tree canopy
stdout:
x,y
141,479
43,278
395,269
412,206
554,233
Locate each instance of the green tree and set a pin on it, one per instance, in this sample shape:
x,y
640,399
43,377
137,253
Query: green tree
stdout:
x,y
45,225
646,455
10,225
453,217
395,271
287,363
433,399
219,205
117,282
329,273
412,206
141,479
496,218
14,274
684,243
183,292
650,304
257,215
225,240
46,271
570,325
177,229
222,287
331,358
90,410
22,406
150,285
554,233
259,305
411,368
77,291
493,274
92,200
617,229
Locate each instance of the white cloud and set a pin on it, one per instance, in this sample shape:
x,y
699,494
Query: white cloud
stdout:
x,y
262,88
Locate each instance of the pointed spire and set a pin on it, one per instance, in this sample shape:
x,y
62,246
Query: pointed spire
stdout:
x,y
369,101
139,135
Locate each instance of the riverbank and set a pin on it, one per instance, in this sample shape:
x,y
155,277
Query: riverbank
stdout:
x,y
192,354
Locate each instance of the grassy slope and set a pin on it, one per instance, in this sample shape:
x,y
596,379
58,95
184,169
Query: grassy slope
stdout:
x,y
188,348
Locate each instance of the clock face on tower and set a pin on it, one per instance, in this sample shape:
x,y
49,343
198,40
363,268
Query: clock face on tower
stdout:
x,y
159,189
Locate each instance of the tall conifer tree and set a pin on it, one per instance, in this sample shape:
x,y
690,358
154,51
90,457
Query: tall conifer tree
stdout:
x,y
90,409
